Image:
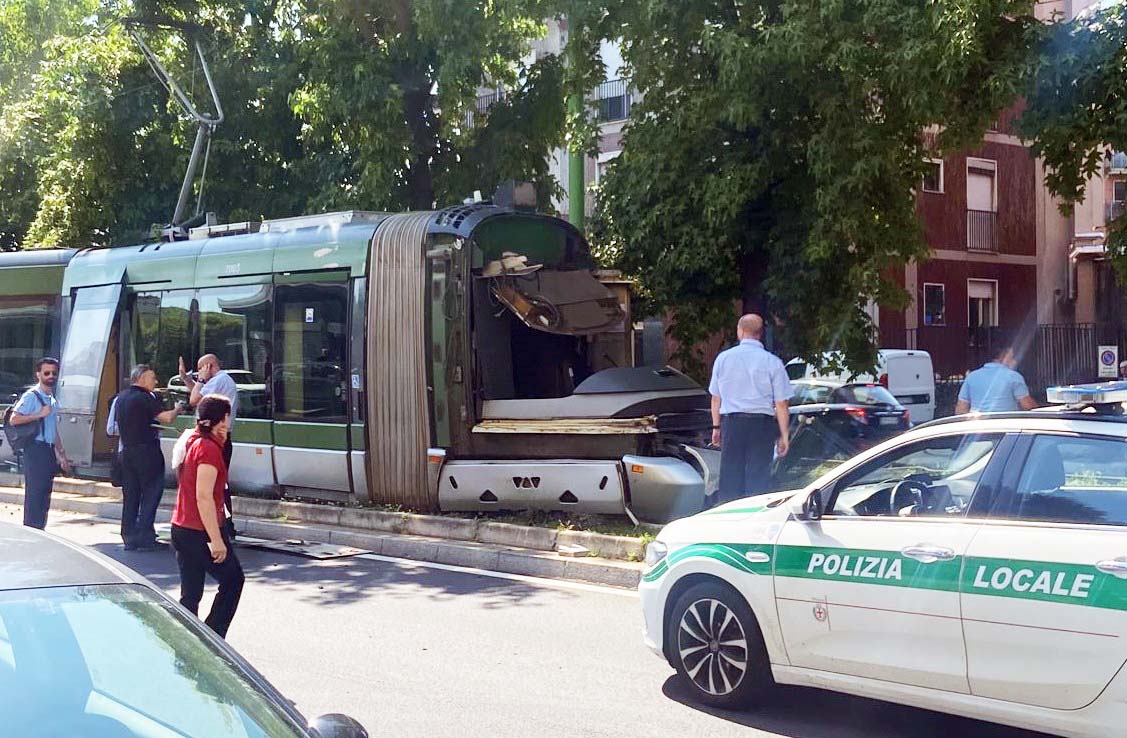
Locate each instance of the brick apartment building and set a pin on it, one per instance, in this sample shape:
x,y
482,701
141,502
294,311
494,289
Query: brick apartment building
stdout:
x,y
979,212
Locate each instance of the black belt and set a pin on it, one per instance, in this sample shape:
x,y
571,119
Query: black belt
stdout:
x,y
765,416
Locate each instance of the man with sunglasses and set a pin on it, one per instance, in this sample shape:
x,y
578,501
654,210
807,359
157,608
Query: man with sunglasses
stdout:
x,y
44,455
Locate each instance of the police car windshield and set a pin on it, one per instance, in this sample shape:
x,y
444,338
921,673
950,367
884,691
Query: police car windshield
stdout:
x,y
932,462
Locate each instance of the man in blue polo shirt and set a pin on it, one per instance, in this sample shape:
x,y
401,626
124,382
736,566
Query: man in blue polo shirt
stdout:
x,y
995,387
44,455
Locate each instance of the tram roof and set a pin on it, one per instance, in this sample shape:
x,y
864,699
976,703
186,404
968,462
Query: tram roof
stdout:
x,y
229,260
308,244
33,272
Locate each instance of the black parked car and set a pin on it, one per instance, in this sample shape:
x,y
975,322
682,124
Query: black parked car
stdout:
x,y
861,410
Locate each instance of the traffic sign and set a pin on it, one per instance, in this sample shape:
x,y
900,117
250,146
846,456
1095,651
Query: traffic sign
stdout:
x,y
1109,362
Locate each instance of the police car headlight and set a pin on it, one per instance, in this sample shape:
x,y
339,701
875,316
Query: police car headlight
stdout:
x,y
655,552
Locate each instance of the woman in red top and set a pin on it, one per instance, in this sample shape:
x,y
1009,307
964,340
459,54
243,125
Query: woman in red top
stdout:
x,y
197,520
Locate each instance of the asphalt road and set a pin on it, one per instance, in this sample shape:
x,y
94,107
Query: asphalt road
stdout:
x,y
412,650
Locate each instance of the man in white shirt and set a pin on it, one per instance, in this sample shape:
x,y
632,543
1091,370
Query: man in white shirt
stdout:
x,y
750,413
212,380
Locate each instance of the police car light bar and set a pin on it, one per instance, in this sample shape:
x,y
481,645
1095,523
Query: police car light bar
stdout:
x,y
1097,393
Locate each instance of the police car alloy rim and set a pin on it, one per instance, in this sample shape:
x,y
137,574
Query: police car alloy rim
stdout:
x,y
712,647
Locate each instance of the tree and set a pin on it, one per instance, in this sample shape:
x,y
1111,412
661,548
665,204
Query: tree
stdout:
x,y
357,104
389,87
1077,108
774,157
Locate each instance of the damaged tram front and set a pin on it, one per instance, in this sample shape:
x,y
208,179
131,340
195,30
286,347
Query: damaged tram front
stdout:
x,y
465,359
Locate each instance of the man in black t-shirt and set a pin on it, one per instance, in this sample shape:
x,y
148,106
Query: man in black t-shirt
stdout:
x,y
142,463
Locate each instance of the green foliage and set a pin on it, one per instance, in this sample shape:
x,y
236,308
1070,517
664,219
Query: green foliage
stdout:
x,y
388,87
774,157
349,104
1077,108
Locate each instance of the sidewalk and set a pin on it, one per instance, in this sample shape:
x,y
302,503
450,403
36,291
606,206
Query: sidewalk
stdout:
x,y
475,543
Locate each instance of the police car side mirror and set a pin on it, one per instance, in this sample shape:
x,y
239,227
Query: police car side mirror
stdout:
x,y
813,506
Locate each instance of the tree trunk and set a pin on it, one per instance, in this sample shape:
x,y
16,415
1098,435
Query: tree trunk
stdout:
x,y
753,273
421,121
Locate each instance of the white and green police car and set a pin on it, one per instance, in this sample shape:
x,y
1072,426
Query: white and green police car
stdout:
x,y
975,565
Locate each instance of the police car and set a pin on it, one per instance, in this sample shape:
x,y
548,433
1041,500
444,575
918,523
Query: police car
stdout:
x,y
974,565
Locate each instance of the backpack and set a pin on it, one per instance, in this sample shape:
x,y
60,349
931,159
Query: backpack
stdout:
x,y
18,436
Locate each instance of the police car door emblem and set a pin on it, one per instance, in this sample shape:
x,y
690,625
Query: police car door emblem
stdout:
x,y
821,612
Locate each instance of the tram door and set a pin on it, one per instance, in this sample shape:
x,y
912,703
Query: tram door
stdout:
x,y
88,346
311,383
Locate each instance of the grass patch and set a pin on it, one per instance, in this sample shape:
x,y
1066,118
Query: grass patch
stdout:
x,y
609,525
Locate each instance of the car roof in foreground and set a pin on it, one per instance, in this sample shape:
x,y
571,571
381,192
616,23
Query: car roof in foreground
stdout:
x,y
31,558
1036,419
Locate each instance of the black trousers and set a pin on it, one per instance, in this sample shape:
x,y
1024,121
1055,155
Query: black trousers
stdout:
x,y
142,485
229,523
747,447
39,469
195,562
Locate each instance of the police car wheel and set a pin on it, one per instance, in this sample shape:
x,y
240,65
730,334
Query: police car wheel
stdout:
x,y
717,647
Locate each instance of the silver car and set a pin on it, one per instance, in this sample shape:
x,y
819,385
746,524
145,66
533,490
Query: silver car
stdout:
x,y
90,648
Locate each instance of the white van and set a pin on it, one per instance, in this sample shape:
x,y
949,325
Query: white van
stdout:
x,y
908,374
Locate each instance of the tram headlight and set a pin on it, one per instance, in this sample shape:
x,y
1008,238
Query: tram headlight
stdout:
x,y
655,552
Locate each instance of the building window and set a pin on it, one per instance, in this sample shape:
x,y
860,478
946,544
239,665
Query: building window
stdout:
x,y
982,303
1118,204
982,185
933,176
935,305
982,205
603,163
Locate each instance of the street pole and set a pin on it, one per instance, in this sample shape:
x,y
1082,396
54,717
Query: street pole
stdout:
x,y
576,196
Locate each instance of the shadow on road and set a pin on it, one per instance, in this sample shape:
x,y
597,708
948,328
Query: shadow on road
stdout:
x,y
346,580
801,712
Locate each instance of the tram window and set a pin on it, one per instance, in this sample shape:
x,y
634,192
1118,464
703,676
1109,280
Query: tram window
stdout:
x,y
311,369
146,327
235,325
359,320
26,329
176,339
88,337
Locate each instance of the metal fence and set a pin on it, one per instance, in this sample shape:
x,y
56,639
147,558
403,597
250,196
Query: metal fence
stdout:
x,y
1048,355
481,107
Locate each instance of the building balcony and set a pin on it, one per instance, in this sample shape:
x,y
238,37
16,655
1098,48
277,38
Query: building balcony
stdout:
x,y
481,107
982,231
614,100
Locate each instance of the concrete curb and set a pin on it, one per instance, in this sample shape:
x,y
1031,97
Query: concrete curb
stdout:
x,y
619,548
397,543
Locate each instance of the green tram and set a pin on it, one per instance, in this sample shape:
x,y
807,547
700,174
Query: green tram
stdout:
x,y
466,359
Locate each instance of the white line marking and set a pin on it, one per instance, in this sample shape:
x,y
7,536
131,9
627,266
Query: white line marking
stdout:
x,y
536,581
